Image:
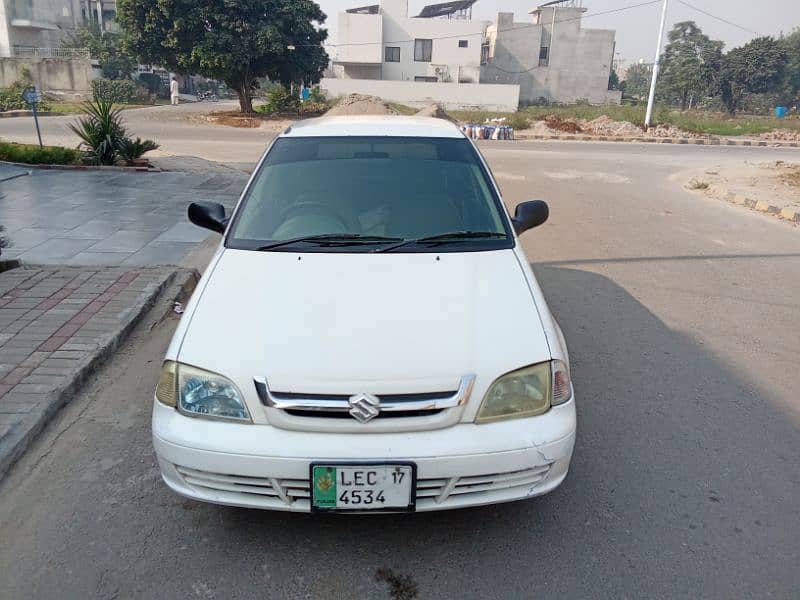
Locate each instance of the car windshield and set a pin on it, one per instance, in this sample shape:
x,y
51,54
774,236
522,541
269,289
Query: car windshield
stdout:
x,y
360,194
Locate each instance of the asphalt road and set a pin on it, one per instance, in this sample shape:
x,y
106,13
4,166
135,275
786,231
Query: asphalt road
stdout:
x,y
681,314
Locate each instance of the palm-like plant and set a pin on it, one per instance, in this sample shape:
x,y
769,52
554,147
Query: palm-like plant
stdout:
x,y
129,149
100,130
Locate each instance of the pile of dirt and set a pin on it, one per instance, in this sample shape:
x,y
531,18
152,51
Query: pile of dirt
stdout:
x,y
608,127
556,123
361,104
670,131
781,135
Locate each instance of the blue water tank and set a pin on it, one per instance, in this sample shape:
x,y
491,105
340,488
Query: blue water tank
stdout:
x,y
780,111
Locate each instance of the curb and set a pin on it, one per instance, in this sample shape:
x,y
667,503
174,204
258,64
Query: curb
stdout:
x,y
10,114
655,140
82,168
19,439
787,214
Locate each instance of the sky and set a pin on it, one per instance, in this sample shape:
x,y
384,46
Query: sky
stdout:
x,y
636,28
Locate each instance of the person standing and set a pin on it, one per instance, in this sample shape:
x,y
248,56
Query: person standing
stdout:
x,y
173,91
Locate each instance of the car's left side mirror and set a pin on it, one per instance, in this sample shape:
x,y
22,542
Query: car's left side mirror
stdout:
x,y
529,215
209,215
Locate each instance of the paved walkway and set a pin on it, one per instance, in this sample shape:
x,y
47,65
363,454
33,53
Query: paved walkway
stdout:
x,y
55,325
108,218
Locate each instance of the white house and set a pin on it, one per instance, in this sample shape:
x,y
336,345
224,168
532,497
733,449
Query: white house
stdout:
x,y
38,27
383,42
550,57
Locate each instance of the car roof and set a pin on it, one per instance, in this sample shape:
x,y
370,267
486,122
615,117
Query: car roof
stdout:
x,y
374,125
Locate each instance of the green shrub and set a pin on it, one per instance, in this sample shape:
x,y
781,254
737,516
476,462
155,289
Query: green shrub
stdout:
x,y
129,150
154,85
518,121
118,91
317,95
310,107
31,154
280,100
101,131
11,98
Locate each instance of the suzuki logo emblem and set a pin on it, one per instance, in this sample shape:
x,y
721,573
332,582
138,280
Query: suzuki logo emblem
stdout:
x,y
364,407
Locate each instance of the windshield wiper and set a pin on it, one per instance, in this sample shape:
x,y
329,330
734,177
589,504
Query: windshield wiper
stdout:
x,y
453,236
333,238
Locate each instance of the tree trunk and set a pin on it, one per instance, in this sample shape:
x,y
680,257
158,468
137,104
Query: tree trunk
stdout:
x,y
245,98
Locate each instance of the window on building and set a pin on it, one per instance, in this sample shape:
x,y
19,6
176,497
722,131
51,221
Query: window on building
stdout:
x,y
391,54
463,43
544,56
426,78
484,54
423,49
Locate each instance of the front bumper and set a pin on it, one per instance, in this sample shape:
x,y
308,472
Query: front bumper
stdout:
x,y
258,466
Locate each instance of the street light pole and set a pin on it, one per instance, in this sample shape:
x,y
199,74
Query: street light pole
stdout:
x,y
656,65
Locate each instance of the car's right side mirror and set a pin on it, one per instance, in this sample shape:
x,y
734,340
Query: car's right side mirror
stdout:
x,y
529,215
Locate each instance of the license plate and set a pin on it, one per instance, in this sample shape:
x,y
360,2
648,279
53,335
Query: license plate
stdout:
x,y
363,487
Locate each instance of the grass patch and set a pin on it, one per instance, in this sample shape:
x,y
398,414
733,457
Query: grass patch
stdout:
x,y
31,154
72,108
402,109
518,120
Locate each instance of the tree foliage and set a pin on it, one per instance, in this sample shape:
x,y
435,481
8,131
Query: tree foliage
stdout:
x,y
691,64
115,61
637,80
757,67
235,41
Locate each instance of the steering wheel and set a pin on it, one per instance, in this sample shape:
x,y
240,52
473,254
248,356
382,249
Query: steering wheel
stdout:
x,y
316,208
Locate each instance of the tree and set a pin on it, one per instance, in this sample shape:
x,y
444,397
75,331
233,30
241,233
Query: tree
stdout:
x,y
691,63
106,47
613,80
755,68
235,41
637,80
789,88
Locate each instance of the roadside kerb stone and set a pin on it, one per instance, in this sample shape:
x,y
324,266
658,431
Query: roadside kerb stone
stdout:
x,y
788,214
44,360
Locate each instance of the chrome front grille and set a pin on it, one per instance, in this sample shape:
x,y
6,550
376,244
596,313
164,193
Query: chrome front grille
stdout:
x,y
285,491
380,406
440,490
271,492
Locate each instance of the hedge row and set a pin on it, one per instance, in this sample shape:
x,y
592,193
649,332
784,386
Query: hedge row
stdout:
x,y
31,154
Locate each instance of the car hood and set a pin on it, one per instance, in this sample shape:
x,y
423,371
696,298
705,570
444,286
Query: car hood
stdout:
x,y
383,323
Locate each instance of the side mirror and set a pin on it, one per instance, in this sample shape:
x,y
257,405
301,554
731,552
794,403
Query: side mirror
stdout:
x,y
529,215
208,215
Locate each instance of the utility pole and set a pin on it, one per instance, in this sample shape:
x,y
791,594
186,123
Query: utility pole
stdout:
x,y
656,65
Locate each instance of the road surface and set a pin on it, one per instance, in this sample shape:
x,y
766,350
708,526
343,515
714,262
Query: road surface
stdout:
x,y
681,314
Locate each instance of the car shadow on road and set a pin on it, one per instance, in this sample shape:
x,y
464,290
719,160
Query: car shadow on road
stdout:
x,y
681,465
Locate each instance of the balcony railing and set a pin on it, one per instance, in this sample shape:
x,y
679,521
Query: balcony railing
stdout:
x,y
66,53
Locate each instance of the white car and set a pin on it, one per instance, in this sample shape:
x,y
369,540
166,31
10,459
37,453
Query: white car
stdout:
x,y
369,335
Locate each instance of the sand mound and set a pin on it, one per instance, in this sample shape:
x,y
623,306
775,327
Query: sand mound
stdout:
x,y
360,104
556,123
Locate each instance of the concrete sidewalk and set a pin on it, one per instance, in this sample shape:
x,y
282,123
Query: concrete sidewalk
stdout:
x,y
57,324
108,218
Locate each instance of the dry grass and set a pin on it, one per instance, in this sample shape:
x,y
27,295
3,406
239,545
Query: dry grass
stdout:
x,y
697,184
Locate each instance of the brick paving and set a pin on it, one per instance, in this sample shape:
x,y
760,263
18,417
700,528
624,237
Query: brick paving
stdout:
x,y
55,322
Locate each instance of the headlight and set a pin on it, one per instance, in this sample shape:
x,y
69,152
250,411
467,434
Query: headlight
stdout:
x,y
200,393
526,392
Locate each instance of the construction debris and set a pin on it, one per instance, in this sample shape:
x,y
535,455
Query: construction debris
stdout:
x,y
361,104
782,135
